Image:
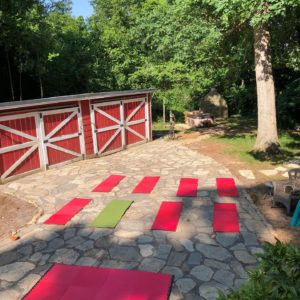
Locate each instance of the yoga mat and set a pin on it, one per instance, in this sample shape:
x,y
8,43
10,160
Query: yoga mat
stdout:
x,y
168,216
111,215
187,187
67,282
226,218
146,185
226,187
295,221
67,212
108,184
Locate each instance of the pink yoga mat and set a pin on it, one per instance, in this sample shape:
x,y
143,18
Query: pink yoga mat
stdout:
x,y
168,216
187,187
108,184
226,218
67,212
226,187
146,185
65,282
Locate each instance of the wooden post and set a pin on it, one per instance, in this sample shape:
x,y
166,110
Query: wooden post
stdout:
x,y
164,113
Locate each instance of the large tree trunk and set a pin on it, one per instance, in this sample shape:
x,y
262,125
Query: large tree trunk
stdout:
x,y
267,139
10,77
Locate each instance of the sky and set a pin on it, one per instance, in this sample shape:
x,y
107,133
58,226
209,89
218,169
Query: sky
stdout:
x,y
82,8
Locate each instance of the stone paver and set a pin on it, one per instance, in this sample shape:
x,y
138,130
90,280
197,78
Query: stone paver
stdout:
x,y
201,261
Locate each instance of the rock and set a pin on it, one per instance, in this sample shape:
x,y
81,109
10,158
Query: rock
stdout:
x,y
69,233
56,243
39,245
119,264
210,290
87,261
216,264
85,246
205,239
75,241
238,269
145,239
195,258
40,258
244,257
8,257
99,233
28,282
151,265
10,294
247,174
103,242
124,253
146,250
227,239
188,245
173,270
238,246
202,273
176,259
213,252
202,194
15,271
127,234
256,250
65,256
163,251
185,284
249,238
215,104
26,250
224,277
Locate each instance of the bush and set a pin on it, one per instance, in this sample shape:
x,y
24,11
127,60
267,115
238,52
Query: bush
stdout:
x,y
277,276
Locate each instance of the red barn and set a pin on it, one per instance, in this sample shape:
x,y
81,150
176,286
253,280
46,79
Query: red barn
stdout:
x,y
39,134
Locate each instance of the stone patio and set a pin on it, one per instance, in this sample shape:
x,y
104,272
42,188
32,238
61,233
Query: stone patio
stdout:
x,y
201,261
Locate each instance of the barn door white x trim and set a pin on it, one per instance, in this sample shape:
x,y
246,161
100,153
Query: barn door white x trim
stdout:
x,y
33,142
128,123
118,126
48,139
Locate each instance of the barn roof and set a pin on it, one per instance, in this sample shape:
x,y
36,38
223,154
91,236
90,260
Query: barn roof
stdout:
x,y
69,98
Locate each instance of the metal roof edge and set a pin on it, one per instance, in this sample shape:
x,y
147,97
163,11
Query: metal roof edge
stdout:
x,y
70,98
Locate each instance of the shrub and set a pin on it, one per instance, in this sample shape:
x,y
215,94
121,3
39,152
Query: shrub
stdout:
x,y
277,276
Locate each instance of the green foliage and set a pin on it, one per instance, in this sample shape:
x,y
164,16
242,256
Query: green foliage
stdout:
x,y
277,276
288,105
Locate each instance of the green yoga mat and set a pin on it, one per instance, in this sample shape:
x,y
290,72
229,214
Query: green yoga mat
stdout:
x,y
111,215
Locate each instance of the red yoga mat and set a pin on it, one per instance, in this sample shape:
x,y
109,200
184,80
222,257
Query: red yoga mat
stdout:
x,y
187,187
226,187
67,212
226,218
146,185
108,184
168,216
65,282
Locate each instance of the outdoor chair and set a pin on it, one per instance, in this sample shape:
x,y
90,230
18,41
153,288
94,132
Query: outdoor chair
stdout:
x,y
287,192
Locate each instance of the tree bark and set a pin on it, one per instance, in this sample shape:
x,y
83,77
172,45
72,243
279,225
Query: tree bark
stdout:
x,y
267,138
10,78
41,86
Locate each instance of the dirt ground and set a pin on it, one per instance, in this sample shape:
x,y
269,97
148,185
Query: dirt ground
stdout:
x,y
14,213
257,190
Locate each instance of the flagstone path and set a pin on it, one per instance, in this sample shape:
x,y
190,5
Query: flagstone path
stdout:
x,y
201,261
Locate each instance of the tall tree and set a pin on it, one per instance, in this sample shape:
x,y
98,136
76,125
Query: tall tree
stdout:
x,y
259,14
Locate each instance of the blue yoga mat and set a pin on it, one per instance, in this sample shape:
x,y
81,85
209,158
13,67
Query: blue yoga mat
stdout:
x,y
296,216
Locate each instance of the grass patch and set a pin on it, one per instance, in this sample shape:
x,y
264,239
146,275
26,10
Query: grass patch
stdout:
x,y
241,138
159,126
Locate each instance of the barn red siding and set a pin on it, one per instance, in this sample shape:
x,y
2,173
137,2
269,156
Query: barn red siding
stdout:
x,y
87,127
60,129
